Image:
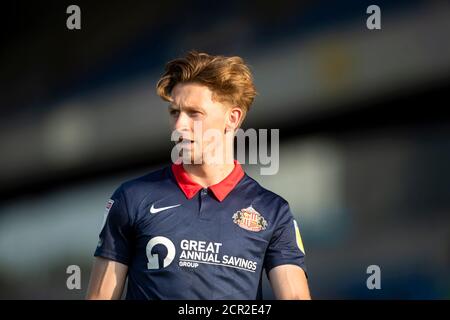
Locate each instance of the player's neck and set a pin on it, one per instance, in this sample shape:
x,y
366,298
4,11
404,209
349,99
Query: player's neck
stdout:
x,y
208,174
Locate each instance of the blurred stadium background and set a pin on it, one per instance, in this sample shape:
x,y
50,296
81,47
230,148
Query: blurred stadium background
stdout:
x,y
364,131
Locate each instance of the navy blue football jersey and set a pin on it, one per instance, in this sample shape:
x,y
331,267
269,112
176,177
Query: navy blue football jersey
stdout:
x,y
182,241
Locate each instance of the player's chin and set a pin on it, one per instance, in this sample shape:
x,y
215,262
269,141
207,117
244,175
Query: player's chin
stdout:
x,y
188,156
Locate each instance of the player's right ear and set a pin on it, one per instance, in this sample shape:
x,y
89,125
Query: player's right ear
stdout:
x,y
233,119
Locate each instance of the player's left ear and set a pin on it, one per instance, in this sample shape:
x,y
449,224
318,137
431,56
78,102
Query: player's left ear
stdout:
x,y
233,119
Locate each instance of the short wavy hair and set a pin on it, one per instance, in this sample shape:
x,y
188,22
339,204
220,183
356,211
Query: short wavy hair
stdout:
x,y
229,78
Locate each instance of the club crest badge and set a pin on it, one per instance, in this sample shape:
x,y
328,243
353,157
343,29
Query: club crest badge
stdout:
x,y
250,219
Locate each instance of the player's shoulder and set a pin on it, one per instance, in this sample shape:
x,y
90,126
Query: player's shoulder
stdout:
x,y
271,205
140,186
266,197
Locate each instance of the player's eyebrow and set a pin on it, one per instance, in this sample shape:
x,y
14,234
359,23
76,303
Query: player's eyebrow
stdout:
x,y
173,107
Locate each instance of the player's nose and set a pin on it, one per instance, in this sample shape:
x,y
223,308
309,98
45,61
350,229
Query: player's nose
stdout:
x,y
182,123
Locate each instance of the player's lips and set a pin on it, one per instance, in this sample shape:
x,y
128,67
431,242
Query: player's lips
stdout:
x,y
186,144
185,140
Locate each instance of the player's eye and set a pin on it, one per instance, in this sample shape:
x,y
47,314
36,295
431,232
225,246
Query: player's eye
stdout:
x,y
174,113
194,113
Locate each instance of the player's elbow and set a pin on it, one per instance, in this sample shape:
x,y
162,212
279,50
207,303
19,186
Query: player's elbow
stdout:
x,y
100,295
102,291
293,295
301,296
95,295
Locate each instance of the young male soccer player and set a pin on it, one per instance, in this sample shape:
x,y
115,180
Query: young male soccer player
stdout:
x,y
200,229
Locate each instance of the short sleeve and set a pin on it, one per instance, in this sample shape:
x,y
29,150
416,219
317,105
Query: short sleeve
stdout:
x,y
116,233
286,245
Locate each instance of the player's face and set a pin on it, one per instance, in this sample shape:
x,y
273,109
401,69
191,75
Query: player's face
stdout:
x,y
200,119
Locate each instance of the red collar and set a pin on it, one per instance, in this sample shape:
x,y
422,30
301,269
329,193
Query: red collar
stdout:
x,y
220,190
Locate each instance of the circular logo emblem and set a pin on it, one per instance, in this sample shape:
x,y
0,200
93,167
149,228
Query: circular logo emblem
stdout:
x,y
153,258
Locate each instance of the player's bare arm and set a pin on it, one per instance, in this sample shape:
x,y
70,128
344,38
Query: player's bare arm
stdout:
x,y
289,283
107,280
